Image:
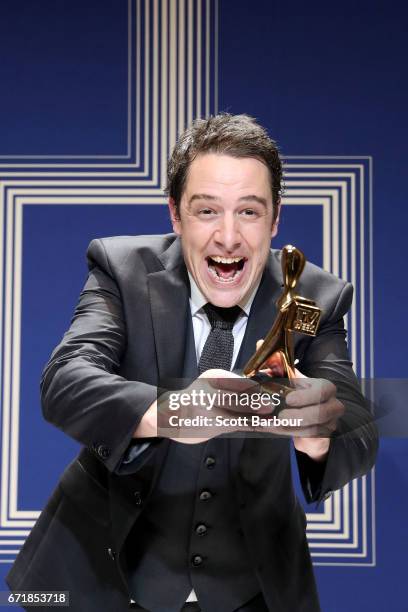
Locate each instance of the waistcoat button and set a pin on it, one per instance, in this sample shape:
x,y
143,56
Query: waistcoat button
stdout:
x,y
201,529
103,451
204,495
210,462
197,560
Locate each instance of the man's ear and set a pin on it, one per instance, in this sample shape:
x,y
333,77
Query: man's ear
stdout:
x,y
174,216
275,224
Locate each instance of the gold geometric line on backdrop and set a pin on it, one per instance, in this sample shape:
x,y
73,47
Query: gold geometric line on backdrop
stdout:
x,y
173,90
132,197
348,271
85,198
177,87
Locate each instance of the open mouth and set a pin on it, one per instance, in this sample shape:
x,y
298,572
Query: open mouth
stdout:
x,y
226,269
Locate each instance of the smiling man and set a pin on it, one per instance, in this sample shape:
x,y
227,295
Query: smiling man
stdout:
x,y
226,219
143,521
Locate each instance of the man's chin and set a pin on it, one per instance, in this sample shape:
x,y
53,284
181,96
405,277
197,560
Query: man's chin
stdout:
x,y
224,298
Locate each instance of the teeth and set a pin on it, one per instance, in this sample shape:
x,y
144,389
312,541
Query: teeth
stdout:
x,y
220,279
226,260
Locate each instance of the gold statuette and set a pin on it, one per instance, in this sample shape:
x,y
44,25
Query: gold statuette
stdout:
x,y
295,314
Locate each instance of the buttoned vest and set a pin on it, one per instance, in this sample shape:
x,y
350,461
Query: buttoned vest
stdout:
x,y
189,534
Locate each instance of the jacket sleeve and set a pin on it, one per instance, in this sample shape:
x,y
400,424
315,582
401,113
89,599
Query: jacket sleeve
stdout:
x,y
81,391
354,445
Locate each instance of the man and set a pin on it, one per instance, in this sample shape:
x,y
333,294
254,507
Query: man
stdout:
x,y
212,525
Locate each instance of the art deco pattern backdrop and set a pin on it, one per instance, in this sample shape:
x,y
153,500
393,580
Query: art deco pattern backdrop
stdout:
x,y
94,93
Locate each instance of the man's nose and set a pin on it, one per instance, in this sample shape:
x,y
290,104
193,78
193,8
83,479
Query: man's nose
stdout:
x,y
228,234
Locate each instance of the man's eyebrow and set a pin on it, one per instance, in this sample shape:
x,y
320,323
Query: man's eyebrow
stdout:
x,y
210,198
254,198
202,196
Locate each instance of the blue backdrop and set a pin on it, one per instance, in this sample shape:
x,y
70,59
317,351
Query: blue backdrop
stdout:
x,y
94,93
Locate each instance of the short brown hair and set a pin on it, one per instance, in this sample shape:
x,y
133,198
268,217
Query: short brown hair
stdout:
x,y
235,135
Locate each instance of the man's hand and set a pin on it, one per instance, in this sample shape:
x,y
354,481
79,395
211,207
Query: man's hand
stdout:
x,y
147,427
315,401
207,382
218,384
320,409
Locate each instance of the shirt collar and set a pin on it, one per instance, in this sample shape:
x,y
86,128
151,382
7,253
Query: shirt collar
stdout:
x,y
197,299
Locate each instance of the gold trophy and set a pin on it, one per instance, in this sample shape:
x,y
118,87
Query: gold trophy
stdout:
x,y
295,314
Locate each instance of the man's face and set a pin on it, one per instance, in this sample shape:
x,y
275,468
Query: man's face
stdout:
x,y
225,225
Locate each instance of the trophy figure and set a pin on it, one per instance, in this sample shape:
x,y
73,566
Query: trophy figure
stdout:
x,y
295,314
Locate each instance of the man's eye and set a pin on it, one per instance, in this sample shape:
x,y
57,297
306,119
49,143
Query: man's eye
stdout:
x,y
205,212
249,212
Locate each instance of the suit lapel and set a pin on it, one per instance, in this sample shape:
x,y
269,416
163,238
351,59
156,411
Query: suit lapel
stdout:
x,y
261,317
263,310
169,304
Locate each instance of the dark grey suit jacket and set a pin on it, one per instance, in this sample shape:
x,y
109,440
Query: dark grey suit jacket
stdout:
x,y
128,335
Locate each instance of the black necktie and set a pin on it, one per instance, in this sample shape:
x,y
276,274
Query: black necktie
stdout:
x,y
219,346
